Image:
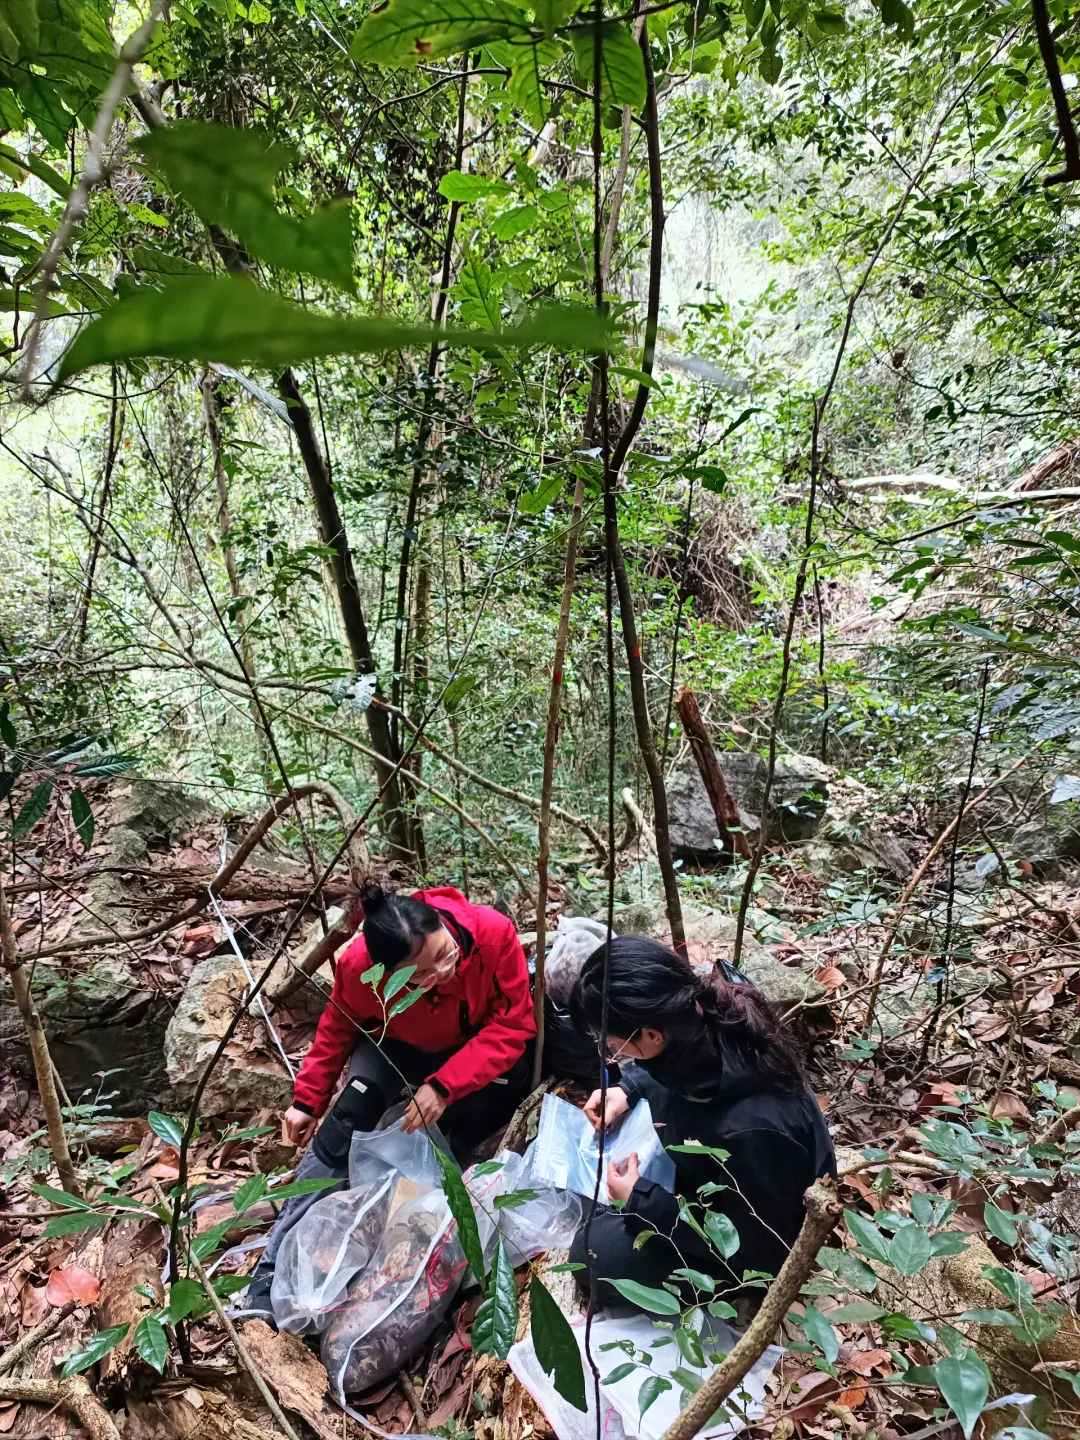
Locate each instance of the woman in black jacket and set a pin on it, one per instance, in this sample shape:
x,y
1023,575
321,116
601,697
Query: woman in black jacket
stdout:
x,y
720,1072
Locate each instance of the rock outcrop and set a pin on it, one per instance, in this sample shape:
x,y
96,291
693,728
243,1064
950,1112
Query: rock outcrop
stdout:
x,y
797,801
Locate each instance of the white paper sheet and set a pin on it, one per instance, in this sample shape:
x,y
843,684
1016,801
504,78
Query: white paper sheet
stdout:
x,y
566,1148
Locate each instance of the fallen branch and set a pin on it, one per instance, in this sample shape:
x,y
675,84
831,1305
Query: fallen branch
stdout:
x,y
30,1342
413,1399
636,822
73,1394
330,943
913,885
822,1213
712,776
1070,1120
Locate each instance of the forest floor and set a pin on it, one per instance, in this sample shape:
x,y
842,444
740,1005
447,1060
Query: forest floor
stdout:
x,y
989,1035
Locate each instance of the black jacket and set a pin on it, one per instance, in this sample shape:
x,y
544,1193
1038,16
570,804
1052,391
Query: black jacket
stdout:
x,y
777,1143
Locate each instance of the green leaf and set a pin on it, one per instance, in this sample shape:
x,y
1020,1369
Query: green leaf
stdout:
x,y
250,1192
7,729
514,222
457,1197
402,1003
227,175
619,1373
965,1384
73,1224
456,691
657,1302
622,67
830,21
989,1317
397,981
231,320
858,1312
99,1347
372,975
466,189
650,1392
903,1327
896,15
690,1347
722,1233
910,1249
698,1279
549,487
7,781
185,1297
299,1187
848,1267
525,87
556,1348
37,167
61,1197
514,1199
497,1314
868,1237
107,765
821,1333
1000,1223
167,1128
82,817
152,1343
770,66
33,810
403,32
687,1379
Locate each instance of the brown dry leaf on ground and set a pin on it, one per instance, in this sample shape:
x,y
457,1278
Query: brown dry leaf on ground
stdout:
x,y
72,1283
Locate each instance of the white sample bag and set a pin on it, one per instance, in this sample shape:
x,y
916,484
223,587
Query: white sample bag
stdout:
x,y
576,937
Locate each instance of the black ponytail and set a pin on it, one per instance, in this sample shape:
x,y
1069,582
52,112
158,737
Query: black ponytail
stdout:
x,y
650,987
393,924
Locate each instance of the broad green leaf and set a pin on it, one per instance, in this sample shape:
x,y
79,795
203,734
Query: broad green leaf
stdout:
x,y
903,1327
551,14
61,1197
373,975
98,1348
848,1267
7,782
619,1373
869,1238
33,810
549,487
457,1197
770,65
250,1192
185,1297
622,67
657,1302
910,1249
514,1199
556,1348
151,1342
403,32
830,21
821,1333
965,1384
227,176
38,167
513,222
466,189
402,1003
107,765
525,86
697,1278
456,691
166,1127
1000,1223
989,1317
299,1187
651,1390
856,1313
7,729
397,981
231,320
73,1224
722,1233
688,1379
82,817
497,1315
896,15
690,1347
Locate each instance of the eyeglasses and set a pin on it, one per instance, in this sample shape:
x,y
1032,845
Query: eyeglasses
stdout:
x,y
610,1056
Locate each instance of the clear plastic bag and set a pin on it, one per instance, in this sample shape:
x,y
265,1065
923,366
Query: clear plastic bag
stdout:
x,y
565,1152
405,1291
575,940
323,1253
547,1221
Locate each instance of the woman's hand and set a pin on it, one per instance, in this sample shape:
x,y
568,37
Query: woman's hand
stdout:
x,y
425,1107
622,1176
297,1126
617,1105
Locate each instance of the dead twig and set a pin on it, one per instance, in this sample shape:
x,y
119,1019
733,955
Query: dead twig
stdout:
x,y
73,1394
414,1400
30,1342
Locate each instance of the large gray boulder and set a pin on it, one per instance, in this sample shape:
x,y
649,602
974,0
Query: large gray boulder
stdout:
x,y
250,1074
106,1032
797,801
842,851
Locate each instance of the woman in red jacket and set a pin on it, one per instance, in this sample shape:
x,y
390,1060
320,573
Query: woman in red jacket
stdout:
x,y
452,1039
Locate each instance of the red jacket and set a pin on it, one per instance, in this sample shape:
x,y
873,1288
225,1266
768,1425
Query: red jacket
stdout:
x,y
492,980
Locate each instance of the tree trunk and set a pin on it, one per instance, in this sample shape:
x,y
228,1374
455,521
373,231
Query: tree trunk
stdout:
x,y
332,531
712,777
39,1051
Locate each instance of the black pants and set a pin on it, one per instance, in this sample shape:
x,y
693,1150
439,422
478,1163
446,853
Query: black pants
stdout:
x,y
380,1077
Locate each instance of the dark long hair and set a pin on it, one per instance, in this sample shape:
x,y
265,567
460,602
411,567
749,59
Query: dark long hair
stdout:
x,y
394,923
649,986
